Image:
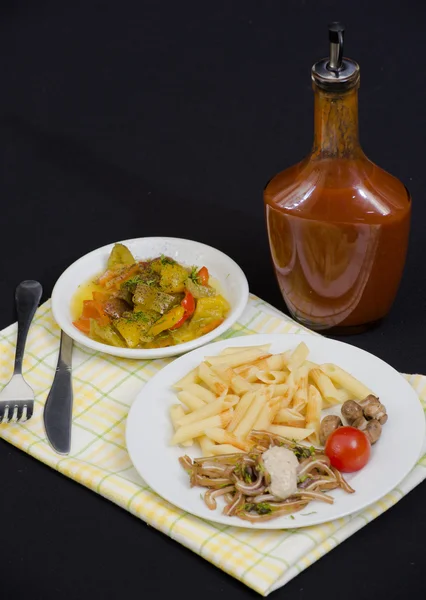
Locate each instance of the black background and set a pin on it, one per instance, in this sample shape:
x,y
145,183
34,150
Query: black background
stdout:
x,y
126,119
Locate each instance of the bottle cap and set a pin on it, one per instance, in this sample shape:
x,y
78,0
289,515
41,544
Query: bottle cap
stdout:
x,y
336,73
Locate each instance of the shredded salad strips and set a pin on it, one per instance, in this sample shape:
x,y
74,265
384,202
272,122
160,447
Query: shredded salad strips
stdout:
x,y
242,480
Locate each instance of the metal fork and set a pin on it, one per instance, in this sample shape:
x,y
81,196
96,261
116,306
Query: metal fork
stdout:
x,y
17,397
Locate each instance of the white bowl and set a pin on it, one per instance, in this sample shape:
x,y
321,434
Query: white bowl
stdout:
x,y
231,278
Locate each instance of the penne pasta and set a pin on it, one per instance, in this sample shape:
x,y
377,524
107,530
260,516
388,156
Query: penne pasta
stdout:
x,y
206,445
176,413
239,385
221,436
290,416
330,394
267,414
224,449
201,392
191,377
300,397
240,410
346,381
220,405
212,381
237,359
272,376
246,424
194,430
298,356
249,373
313,413
190,400
291,433
235,349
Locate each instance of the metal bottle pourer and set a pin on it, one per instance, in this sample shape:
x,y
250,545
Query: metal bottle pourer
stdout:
x,y
336,73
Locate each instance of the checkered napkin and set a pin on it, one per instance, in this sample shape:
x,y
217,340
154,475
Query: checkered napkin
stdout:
x,y
104,389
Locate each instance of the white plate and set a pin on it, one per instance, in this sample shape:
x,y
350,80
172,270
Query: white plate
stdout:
x,y
149,431
231,278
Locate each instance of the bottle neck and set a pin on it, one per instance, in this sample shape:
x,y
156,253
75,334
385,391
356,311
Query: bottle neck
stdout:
x,y
336,124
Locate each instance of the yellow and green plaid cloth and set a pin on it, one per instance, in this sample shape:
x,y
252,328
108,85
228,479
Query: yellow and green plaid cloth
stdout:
x,y
104,389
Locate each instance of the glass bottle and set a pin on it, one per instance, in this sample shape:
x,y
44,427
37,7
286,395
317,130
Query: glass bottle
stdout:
x,y
338,224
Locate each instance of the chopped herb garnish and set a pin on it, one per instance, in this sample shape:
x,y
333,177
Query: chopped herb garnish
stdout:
x,y
303,478
314,512
263,508
292,517
246,476
133,281
165,260
138,317
248,506
312,451
260,468
194,275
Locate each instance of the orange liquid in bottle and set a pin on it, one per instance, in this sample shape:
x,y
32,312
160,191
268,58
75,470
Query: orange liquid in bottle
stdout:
x,y
338,226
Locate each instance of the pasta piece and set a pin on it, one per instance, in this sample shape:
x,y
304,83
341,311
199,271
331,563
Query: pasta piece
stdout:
x,y
239,385
249,373
235,349
300,397
209,410
246,424
240,410
194,430
201,392
298,356
346,381
191,377
272,376
225,373
212,381
221,436
328,391
190,400
176,413
275,362
219,449
267,414
292,433
313,413
206,445
237,358
290,416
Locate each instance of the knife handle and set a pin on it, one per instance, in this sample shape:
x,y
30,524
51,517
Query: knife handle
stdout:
x,y
27,298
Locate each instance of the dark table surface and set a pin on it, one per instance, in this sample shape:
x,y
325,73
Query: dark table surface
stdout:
x,y
126,119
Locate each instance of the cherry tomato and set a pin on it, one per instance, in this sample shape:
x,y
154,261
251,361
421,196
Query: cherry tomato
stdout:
x,y
348,449
203,276
188,303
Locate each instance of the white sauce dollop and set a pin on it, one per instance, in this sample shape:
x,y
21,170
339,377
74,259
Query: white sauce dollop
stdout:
x,y
281,465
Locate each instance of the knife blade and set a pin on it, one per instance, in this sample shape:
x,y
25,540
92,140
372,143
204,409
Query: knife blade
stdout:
x,y
57,414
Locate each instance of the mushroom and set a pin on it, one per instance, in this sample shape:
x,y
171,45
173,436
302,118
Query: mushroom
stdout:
x,y
360,423
351,411
373,430
328,425
374,409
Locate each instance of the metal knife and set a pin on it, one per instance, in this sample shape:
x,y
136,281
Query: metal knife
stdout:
x,y
58,408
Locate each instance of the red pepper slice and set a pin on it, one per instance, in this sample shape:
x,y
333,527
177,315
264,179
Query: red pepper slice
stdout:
x,y
203,276
188,304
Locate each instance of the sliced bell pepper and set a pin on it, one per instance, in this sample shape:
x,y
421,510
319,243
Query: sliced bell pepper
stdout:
x,y
188,303
173,316
83,324
203,276
210,326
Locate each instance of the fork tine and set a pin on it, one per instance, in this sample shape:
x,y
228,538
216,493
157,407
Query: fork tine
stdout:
x,y
24,414
5,416
13,413
30,409
19,412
